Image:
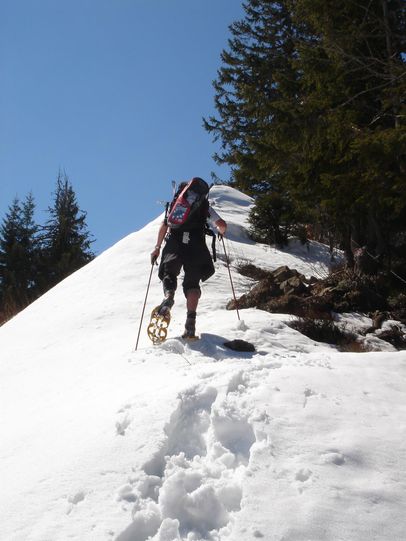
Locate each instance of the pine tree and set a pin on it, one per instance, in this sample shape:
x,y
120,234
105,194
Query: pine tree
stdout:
x,y
18,253
311,109
352,137
271,218
66,239
254,92
257,93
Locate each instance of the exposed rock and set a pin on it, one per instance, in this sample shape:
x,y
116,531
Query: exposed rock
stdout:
x,y
284,273
377,319
315,307
259,294
394,336
286,291
293,285
277,292
287,304
251,271
240,345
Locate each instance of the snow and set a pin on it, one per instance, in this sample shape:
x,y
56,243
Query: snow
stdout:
x,y
295,442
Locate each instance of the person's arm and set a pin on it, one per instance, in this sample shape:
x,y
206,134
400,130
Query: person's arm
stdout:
x,y
161,235
220,224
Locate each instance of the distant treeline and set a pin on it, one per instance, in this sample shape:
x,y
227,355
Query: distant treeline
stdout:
x,y
311,117
33,257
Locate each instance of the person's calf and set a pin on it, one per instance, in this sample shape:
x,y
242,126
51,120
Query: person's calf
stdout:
x,y
192,299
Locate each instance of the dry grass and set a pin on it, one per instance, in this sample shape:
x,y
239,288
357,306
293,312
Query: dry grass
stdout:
x,y
328,332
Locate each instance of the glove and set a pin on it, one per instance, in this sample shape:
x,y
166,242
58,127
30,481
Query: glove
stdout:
x,y
155,255
221,226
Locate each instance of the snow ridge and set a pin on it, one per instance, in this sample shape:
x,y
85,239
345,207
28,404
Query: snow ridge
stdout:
x,y
194,442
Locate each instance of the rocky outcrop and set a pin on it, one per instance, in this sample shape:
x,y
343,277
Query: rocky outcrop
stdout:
x,y
282,282
286,291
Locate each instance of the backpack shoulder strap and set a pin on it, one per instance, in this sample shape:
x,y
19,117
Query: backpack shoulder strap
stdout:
x,y
209,232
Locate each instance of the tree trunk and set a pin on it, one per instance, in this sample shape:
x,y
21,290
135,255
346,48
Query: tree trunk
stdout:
x,y
389,52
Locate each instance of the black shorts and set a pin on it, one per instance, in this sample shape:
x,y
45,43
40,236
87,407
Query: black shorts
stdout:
x,y
193,256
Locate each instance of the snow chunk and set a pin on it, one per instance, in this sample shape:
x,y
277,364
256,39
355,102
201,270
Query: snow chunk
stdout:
x,y
197,506
145,524
168,531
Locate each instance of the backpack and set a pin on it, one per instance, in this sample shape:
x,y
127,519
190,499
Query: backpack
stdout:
x,y
189,207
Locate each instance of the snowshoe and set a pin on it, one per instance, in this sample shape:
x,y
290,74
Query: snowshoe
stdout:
x,y
158,326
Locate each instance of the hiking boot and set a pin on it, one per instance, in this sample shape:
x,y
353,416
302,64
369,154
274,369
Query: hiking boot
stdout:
x,y
166,305
190,326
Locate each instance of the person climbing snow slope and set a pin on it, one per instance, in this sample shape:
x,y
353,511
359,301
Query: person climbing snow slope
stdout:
x,y
184,229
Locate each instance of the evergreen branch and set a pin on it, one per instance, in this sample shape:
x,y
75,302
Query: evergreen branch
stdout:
x,y
367,90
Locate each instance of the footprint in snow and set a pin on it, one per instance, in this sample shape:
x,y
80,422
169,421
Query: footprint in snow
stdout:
x,y
74,499
194,481
307,394
303,476
122,425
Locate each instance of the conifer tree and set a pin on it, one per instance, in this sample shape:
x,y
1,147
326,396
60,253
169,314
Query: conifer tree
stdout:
x,y
352,138
253,92
257,92
66,239
18,255
310,102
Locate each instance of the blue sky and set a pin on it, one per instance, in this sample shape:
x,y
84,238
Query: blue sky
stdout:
x,y
113,92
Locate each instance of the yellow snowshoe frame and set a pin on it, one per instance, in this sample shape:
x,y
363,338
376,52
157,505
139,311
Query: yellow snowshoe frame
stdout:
x,y
158,326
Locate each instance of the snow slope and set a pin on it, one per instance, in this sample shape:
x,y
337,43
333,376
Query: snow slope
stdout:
x,y
295,442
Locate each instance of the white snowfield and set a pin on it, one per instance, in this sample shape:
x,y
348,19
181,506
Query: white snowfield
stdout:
x,y
295,442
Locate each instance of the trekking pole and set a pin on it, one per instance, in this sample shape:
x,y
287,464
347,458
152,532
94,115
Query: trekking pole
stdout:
x,y
231,280
143,308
